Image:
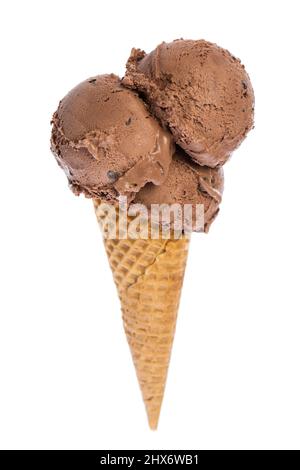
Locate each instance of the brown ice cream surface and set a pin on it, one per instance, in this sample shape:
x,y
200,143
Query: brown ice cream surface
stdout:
x,y
200,91
107,142
187,183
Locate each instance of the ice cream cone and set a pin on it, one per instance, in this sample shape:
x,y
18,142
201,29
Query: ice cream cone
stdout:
x,y
148,274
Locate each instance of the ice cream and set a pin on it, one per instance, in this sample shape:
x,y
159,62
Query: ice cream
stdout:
x,y
187,183
200,92
116,138
107,142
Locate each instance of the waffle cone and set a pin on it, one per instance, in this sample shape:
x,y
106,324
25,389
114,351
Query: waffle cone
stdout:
x,y
148,274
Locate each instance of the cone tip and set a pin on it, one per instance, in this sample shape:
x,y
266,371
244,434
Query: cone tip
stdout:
x,y
153,418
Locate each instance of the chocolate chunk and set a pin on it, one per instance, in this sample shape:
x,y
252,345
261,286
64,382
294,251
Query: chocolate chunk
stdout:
x,y
112,175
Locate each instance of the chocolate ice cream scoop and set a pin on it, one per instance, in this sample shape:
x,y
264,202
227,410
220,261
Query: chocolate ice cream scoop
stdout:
x,y
200,91
107,142
187,183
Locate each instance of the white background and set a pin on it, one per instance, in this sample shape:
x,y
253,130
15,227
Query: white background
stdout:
x,y
66,375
